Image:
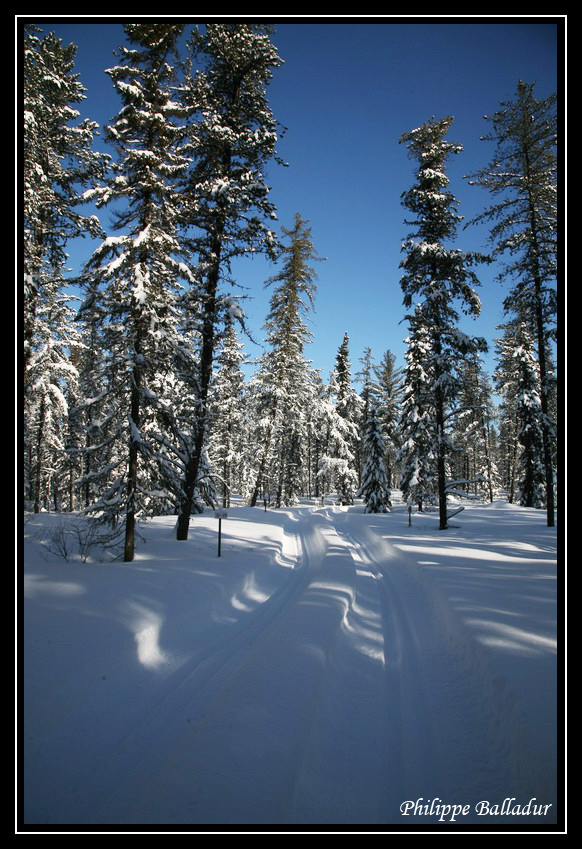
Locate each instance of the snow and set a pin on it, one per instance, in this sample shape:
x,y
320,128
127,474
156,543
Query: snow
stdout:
x,y
329,667
133,90
232,307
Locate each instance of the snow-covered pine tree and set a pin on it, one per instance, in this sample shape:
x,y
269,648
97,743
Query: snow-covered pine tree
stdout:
x,y
387,393
226,413
523,175
58,161
416,454
257,427
530,418
334,458
365,377
440,277
337,464
134,277
374,487
50,375
76,438
506,381
91,423
284,373
473,463
232,135
315,430
517,381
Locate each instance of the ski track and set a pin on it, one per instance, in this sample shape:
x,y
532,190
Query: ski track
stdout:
x,y
379,706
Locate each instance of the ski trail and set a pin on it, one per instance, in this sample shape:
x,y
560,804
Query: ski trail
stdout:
x,y
381,738
221,725
339,699
347,745
451,743
188,694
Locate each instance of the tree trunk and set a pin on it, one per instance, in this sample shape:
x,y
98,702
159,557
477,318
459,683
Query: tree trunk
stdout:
x,y
39,461
440,430
441,467
132,473
487,439
541,342
206,358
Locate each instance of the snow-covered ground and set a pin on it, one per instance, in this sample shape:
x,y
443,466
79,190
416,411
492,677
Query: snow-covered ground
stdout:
x,y
328,668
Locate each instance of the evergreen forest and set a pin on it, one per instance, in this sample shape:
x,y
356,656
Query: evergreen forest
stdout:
x,y
137,397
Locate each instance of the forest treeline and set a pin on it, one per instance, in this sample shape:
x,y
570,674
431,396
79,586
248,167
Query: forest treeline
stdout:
x,y
135,397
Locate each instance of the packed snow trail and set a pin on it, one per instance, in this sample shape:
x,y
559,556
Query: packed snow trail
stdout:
x,y
340,701
244,757
310,676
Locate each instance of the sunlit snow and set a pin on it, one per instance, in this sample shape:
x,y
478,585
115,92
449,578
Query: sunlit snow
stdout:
x,y
327,668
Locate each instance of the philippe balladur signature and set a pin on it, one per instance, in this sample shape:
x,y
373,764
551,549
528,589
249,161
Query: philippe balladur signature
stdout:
x,y
436,807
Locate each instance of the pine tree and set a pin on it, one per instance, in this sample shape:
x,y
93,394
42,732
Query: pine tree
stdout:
x,y
136,292
335,471
58,161
339,460
316,410
232,135
365,376
387,392
440,277
374,487
93,435
226,412
417,426
506,378
474,464
285,374
517,380
523,173
51,375
530,419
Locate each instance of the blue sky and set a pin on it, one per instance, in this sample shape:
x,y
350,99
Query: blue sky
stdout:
x,y
348,90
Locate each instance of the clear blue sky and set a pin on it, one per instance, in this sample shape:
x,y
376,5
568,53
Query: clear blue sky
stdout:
x,y
347,91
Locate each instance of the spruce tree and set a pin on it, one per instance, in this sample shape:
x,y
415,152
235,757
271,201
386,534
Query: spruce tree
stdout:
x,y
285,373
530,421
474,465
517,381
51,377
387,393
523,176
315,435
58,162
416,454
506,378
342,441
365,376
374,487
440,276
226,413
91,418
134,277
232,135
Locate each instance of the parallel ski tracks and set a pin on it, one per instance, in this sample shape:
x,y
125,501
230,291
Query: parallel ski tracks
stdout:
x,y
197,684
410,686
450,743
410,726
